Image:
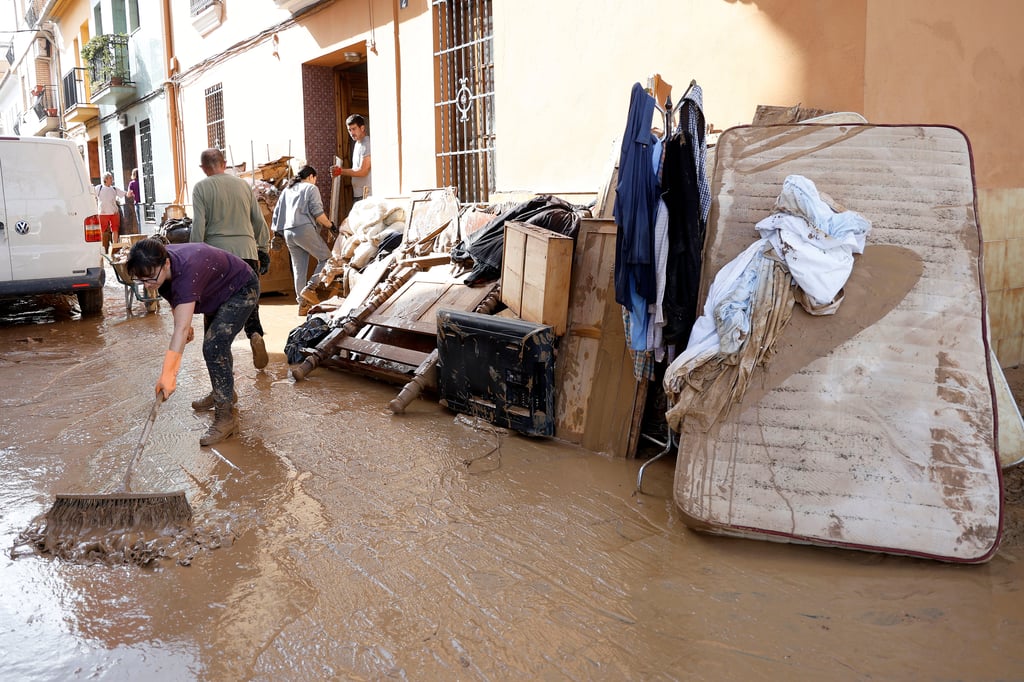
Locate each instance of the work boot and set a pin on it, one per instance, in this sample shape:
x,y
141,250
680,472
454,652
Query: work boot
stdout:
x,y
309,295
206,402
259,351
225,424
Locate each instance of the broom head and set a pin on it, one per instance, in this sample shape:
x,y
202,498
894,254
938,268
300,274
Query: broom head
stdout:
x,y
72,513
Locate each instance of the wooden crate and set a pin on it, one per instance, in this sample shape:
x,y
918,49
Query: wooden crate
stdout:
x,y
130,239
535,271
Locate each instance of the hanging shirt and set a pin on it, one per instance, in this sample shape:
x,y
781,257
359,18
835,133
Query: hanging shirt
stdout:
x,y
636,198
693,112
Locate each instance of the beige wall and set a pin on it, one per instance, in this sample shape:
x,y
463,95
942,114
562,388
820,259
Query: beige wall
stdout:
x,y
953,62
947,61
418,169
563,71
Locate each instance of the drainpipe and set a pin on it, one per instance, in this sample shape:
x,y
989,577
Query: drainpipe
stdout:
x,y
398,90
171,90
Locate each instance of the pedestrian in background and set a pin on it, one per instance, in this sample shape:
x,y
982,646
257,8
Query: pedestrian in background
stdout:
x,y
110,216
297,213
225,214
136,192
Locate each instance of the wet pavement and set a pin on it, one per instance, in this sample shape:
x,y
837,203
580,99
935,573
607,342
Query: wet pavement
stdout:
x,y
360,545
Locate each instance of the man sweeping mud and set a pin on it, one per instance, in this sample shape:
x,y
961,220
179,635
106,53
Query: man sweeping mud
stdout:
x,y
198,278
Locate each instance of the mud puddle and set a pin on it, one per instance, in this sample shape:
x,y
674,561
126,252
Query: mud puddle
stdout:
x,y
368,546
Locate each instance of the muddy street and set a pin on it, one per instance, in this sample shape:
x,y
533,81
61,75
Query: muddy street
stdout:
x,y
349,543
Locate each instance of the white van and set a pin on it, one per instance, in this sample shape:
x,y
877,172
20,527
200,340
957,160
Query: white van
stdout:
x,y
50,238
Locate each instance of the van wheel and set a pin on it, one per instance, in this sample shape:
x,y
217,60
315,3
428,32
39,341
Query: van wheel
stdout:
x,y
90,301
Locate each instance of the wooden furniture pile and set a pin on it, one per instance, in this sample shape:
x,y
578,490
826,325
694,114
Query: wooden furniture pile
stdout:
x,y
387,326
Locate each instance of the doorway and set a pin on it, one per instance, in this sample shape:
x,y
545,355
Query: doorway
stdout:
x,y
93,155
129,162
342,73
353,98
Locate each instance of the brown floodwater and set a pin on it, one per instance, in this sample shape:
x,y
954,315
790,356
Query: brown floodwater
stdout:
x,y
344,542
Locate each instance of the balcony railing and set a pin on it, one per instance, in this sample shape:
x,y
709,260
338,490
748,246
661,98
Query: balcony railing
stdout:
x,y
199,5
73,86
111,66
46,102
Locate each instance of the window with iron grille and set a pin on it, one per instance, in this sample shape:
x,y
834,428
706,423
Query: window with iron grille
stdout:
x,y
148,177
108,154
464,97
215,116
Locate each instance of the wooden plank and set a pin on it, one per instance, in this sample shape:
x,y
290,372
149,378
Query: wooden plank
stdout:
x,y
559,274
422,296
512,275
614,392
427,261
335,215
459,297
411,301
384,351
418,326
595,389
384,374
577,362
367,281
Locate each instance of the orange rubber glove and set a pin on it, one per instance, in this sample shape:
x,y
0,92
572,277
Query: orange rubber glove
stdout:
x,y
168,380
335,171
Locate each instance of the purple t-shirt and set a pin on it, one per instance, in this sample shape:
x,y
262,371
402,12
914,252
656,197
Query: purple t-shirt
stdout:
x,y
204,274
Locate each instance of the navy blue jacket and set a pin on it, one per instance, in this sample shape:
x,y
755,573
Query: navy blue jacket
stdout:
x,y
636,204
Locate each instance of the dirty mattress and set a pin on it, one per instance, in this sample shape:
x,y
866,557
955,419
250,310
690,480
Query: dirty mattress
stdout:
x,y
873,428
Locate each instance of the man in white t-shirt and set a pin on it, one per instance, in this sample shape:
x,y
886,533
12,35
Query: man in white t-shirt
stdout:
x,y
360,170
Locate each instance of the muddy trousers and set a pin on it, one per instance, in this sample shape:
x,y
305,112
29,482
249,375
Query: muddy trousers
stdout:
x,y
221,329
253,324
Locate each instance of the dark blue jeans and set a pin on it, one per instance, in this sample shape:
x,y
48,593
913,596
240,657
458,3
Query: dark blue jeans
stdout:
x,y
221,329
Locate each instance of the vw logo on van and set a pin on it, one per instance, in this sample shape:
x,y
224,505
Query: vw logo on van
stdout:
x,y
21,227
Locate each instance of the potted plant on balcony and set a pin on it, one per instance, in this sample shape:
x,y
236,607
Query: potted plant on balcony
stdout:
x,y
99,54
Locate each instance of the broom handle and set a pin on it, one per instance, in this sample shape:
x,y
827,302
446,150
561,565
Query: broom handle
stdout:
x,y
142,441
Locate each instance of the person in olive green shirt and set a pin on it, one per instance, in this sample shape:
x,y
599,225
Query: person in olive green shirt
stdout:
x,y
225,214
